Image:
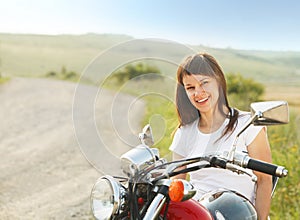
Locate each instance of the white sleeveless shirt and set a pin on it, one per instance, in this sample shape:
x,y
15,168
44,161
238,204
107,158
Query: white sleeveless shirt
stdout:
x,y
189,142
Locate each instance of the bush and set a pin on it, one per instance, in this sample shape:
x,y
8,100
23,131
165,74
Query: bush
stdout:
x,y
135,71
243,91
63,74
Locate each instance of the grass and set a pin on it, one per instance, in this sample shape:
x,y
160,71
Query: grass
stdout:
x,y
162,118
284,141
160,109
4,79
288,93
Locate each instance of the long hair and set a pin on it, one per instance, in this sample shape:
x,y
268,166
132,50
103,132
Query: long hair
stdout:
x,y
201,64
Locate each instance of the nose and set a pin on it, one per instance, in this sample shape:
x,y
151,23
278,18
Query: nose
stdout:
x,y
199,90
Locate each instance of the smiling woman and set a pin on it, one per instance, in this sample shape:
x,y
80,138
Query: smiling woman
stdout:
x,y
200,74
208,126
201,90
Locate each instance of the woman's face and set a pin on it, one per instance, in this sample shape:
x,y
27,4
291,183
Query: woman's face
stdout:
x,y
202,90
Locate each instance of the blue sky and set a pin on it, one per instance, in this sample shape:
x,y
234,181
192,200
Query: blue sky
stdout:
x,y
255,24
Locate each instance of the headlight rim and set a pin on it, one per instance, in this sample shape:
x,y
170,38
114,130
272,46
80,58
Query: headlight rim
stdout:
x,y
116,189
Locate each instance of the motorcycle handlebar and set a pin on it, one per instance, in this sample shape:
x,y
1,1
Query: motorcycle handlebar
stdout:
x,y
268,168
245,161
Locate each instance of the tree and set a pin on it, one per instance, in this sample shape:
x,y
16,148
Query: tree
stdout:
x,y
243,91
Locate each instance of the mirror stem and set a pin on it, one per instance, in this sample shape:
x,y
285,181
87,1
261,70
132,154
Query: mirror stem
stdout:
x,y
251,120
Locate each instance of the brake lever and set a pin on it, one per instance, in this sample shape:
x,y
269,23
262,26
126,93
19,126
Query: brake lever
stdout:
x,y
219,161
240,170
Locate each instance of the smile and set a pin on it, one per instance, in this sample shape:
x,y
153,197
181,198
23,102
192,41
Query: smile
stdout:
x,y
202,100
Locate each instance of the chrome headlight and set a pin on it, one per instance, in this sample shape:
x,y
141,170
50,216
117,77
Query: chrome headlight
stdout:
x,y
138,158
107,197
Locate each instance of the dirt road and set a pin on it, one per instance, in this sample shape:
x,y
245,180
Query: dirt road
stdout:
x,y
44,168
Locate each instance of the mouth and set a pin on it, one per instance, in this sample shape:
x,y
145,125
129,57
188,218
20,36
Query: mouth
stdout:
x,y
202,100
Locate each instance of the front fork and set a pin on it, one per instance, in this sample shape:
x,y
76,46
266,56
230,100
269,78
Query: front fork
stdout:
x,y
155,207
158,202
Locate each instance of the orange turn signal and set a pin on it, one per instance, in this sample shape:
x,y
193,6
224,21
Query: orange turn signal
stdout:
x,y
176,190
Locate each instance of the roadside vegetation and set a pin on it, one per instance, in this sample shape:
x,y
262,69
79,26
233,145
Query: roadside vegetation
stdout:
x,y
63,74
285,143
3,79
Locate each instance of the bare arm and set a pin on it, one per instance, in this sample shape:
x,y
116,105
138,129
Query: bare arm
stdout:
x,y
183,175
260,149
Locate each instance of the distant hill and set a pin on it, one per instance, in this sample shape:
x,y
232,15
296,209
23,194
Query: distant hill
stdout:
x,y
35,55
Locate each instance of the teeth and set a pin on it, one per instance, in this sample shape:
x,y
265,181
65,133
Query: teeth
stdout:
x,y
202,100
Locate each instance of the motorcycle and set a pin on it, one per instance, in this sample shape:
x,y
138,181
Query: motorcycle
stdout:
x,y
147,190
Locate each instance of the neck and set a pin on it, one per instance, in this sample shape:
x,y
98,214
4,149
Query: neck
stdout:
x,y
212,120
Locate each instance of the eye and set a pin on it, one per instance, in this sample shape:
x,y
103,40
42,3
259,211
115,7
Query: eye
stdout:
x,y
189,88
205,82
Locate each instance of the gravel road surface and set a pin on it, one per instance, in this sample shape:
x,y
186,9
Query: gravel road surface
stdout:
x,y
47,167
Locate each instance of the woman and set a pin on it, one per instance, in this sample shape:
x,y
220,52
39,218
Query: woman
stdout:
x,y
207,125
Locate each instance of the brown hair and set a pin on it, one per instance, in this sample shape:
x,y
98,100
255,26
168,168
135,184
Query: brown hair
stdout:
x,y
203,64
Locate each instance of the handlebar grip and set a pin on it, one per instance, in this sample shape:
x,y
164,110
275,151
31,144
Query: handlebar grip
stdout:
x,y
218,162
267,168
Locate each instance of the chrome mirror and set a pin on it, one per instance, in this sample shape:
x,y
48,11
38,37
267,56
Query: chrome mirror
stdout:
x,y
146,136
270,113
264,113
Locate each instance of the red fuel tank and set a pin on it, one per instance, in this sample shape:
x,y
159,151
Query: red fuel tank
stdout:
x,y
190,209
